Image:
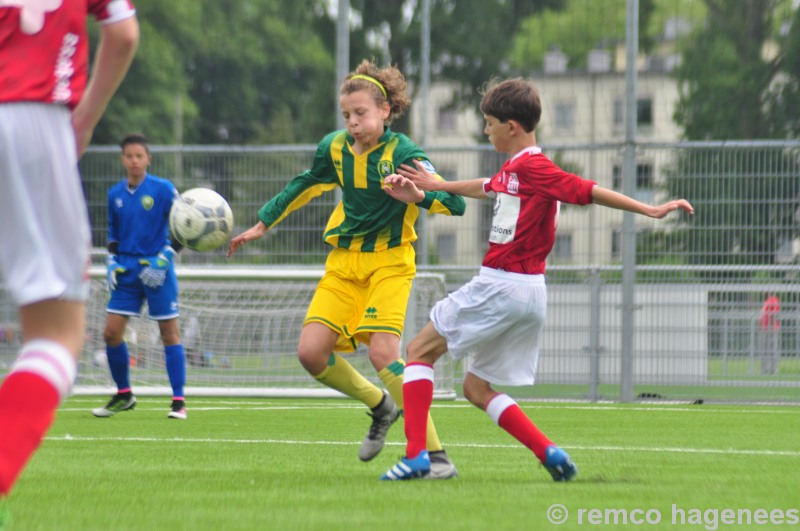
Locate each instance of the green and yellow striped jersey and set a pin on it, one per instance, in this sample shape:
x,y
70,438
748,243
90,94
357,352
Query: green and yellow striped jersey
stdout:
x,y
366,219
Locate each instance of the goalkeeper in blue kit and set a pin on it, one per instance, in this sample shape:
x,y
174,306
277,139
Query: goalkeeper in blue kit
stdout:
x,y
141,267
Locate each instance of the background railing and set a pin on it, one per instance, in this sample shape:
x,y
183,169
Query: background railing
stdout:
x,y
700,281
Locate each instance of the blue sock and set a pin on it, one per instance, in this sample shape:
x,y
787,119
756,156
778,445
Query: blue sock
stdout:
x,y
119,364
176,368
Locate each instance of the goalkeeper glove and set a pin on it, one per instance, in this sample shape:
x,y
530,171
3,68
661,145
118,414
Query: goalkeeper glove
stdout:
x,y
154,275
113,268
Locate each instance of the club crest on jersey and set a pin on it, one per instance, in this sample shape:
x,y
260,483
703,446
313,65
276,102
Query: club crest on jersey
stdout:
x,y
385,168
148,202
513,183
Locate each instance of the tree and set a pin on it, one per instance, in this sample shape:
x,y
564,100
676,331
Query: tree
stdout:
x,y
213,72
584,25
745,200
784,106
728,73
261,73
157,81
466,44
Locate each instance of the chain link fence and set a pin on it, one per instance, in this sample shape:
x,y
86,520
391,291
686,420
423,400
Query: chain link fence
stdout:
x,y
700,320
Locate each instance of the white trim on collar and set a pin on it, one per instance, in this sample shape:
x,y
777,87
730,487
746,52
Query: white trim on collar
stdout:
x,y
532,150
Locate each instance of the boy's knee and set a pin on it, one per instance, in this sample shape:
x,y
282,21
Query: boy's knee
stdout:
x,y
313,361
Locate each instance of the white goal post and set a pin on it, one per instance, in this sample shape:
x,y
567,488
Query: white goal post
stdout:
x,y
240,329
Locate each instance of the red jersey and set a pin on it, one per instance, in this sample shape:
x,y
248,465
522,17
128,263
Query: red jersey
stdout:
x,y
770,314
527,192
44,47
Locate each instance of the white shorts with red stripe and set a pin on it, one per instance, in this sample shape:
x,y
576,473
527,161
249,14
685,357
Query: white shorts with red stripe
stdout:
x,y
44,222
495,321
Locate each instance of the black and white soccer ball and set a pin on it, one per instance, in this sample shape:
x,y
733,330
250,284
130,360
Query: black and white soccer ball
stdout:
x,y
201,219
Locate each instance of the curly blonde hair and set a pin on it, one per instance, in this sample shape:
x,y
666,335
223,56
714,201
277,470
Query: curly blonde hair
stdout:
x,y
390,78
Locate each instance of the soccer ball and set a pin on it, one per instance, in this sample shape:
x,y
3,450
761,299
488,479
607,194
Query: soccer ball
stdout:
x,y
201,219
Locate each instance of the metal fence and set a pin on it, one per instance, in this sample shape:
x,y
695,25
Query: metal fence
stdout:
x,y
700,281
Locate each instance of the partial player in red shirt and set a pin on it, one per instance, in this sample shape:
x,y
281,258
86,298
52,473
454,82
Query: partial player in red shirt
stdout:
x,y
769,338
48,112
496,319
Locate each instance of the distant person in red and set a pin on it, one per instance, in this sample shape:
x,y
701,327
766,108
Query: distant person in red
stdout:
x,y
769,345
49,107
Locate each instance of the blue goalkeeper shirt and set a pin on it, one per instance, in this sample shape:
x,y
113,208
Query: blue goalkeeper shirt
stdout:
x,y
138,219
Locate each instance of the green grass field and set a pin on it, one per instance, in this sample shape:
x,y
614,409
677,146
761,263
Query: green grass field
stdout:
x,y
252,464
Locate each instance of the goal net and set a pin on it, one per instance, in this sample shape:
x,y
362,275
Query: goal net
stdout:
x,y
240,329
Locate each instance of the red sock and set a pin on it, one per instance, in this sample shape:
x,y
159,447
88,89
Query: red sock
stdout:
x,y
508,415
417,399
27,407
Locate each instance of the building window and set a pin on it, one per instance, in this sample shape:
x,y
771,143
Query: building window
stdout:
x,y
565,116
562,248
446,120
644,176
616,177
616,244
644,112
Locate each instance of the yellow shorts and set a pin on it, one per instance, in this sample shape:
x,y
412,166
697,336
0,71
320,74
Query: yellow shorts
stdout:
x,y
362,293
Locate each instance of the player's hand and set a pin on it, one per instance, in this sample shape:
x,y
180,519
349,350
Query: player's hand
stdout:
x,y
113,269
422,178
402,189
154,275
662,210
253,233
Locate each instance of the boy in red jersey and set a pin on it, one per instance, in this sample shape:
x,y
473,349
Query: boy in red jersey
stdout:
x,y
48,112
495,320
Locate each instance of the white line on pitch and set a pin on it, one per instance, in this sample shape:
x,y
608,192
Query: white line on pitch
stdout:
x,y
719,451
264,405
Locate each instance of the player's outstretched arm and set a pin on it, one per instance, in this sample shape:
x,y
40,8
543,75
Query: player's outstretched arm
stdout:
x,y
118,43
253,233
609,198
426,181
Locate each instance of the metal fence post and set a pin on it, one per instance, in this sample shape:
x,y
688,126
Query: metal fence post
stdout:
x,y
594,334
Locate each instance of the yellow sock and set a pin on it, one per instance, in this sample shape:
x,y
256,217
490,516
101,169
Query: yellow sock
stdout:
x,y
392,377
340,375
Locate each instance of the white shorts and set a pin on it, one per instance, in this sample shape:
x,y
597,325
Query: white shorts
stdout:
x,y
495,321
44,222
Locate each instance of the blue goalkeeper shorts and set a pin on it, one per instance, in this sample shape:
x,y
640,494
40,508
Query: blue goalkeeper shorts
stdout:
x,y
130,295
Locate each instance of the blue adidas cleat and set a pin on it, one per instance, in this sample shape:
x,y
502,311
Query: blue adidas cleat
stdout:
x,y
419,467
559,464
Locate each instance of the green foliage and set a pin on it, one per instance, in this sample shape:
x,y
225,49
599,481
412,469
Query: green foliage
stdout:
x,y
210,72
749,91
157,82
466,45
784,104
583,25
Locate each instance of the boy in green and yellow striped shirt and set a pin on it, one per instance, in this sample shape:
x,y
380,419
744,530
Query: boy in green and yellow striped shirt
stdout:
x,y
364,293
